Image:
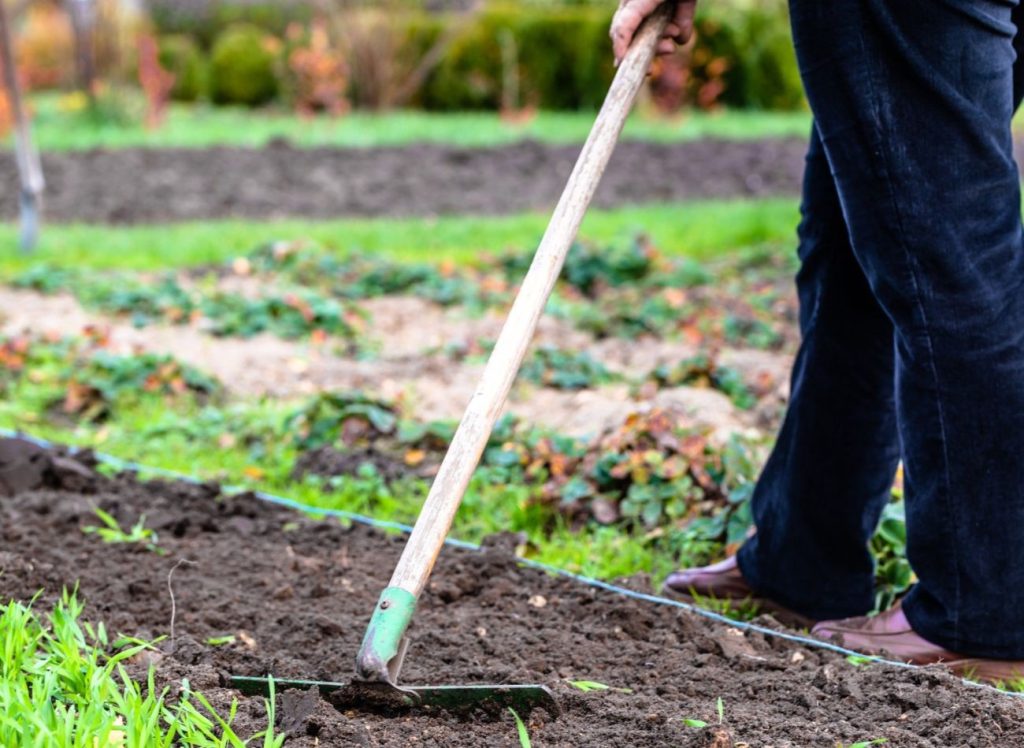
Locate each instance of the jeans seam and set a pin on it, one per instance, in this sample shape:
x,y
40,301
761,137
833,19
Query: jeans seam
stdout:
x,y
884,155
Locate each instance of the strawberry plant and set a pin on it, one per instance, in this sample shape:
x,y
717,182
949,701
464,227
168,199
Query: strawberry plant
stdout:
x,y
654,467
893,575
653,471
564,370
590,268
289,316
45,278
750,331
144,303
348,418
366,276
703,370
14,354
79,377
104,378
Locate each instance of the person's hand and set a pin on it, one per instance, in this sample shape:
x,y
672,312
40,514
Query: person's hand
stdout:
x,y
631,14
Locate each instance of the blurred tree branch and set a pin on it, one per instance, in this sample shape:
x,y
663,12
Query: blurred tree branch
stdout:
x,y
373,41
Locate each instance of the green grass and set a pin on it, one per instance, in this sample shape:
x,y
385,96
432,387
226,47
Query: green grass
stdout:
x,y
63,685
58,129
701,230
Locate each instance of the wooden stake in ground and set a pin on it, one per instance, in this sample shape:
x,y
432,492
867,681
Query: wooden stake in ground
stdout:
x,y
29,169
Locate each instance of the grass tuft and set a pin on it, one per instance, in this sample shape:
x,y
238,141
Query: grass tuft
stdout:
x,y
64,684
521,731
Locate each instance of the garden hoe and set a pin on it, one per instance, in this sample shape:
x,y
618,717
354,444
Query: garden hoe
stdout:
x,y
29,169
380,658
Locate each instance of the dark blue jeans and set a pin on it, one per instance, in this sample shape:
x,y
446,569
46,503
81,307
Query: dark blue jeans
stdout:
x,y
912,311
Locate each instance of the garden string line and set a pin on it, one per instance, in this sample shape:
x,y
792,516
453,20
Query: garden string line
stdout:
x,y
129,465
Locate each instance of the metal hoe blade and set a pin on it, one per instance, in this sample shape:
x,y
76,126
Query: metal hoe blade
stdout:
x,y
384,696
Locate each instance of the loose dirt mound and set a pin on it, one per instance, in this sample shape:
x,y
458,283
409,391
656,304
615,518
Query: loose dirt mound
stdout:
x,y
143,185
301,592
330,461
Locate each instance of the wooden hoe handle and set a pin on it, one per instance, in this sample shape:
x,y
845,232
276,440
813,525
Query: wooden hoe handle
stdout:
x,y
463,456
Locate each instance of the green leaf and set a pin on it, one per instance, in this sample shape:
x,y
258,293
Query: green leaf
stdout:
x,y
575,489
502,457
524,735
590,685
858,660
651,513
695,723
894,532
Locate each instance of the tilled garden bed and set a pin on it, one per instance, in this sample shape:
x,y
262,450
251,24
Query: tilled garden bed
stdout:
x,y
295,594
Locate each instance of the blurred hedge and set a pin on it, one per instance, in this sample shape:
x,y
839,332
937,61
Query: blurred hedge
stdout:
x,y
564,60
181,57
742,56
205,20
242,67
754,39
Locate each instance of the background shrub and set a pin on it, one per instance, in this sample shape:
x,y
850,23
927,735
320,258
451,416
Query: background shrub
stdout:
x,y
741,57
771,79
562,60
312,73
181,56
242,66
754,42
44,48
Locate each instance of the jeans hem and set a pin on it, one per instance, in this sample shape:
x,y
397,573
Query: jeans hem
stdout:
x,y
748,568
943,637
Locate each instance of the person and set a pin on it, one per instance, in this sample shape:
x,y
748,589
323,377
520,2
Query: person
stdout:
x,y
911,290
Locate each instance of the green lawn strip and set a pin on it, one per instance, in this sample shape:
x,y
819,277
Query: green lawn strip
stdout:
x,y
63,683
59,128
700,229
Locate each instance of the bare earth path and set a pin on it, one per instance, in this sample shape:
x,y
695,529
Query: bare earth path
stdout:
x,y
409,334
149,185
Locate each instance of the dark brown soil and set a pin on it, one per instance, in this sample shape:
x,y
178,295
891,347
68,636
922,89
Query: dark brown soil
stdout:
x,y
148,185
328,461
297,594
